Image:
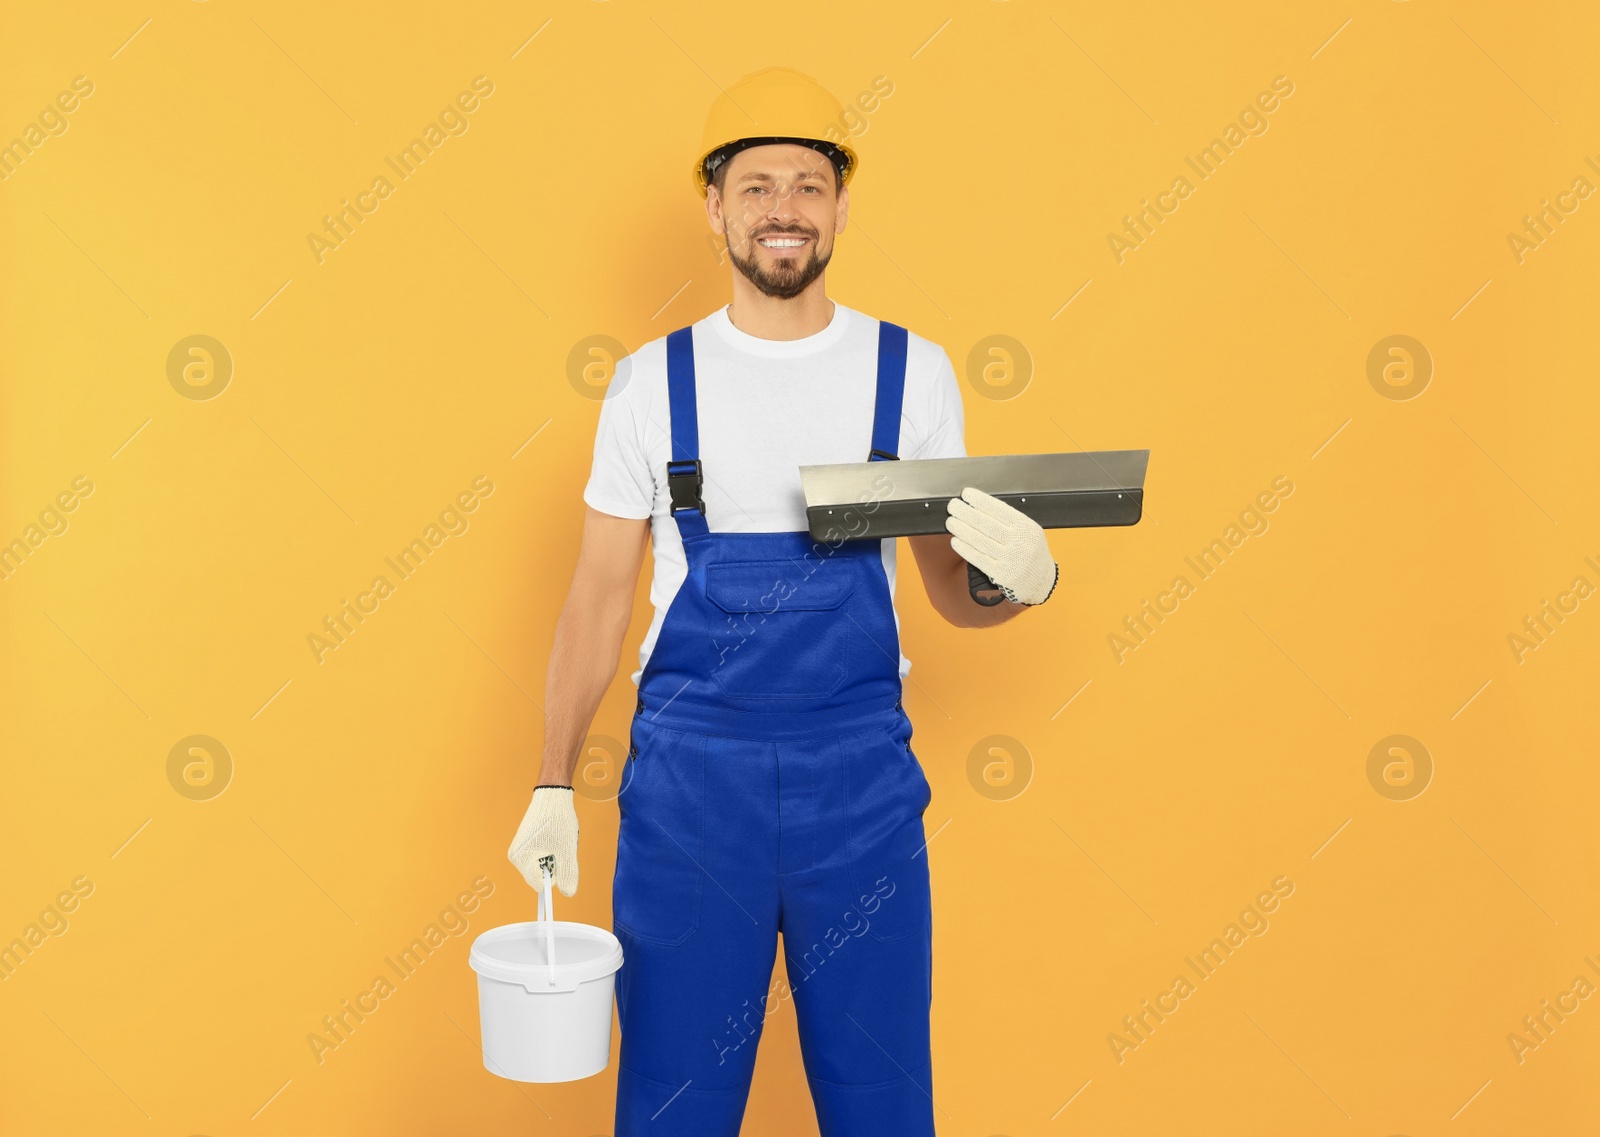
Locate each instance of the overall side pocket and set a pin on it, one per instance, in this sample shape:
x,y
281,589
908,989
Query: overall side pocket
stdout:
x,y
658,885
886,795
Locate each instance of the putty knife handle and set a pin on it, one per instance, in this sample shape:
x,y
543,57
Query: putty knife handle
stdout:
x,y
977,582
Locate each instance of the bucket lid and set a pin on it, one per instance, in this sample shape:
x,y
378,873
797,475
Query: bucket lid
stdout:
x,y
515,953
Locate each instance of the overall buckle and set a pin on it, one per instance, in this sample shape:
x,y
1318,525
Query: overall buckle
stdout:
x,y
684,481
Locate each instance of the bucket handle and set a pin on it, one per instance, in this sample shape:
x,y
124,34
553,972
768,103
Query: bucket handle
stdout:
x,y
547,917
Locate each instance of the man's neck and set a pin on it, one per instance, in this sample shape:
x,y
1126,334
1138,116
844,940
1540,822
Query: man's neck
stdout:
x,y
771,318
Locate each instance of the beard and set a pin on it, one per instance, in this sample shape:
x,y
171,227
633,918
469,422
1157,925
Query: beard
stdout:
x,y
787,279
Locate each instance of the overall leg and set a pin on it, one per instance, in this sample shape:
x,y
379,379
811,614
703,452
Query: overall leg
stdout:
x,y
857,929
695,907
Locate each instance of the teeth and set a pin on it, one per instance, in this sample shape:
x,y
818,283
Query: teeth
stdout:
x,y
782,242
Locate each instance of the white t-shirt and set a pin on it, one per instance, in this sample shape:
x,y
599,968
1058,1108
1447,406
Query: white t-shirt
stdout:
x,y
766,408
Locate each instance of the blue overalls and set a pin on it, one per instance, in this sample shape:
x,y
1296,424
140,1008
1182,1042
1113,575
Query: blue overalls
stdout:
x,y
770,788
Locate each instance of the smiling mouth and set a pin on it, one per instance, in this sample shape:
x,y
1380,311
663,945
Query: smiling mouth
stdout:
x,y
782,243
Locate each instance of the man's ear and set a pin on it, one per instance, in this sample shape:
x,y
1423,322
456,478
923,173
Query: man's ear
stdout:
x,y
714,216
842,213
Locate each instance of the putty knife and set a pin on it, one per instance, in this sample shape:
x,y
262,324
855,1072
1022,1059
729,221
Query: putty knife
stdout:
x,y
852,501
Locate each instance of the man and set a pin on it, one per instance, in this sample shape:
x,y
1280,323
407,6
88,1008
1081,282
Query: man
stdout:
x,y
770,786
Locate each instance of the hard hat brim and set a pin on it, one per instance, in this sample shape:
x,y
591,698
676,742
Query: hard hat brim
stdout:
x,y
843,157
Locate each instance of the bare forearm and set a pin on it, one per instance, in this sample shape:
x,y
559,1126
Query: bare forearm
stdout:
x,y
944,575
583,661
953,600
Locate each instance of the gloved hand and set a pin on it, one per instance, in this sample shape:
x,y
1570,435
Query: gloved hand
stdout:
x,y
548,829
1005,543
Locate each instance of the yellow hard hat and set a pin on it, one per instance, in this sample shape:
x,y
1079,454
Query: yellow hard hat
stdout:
x,y
772,106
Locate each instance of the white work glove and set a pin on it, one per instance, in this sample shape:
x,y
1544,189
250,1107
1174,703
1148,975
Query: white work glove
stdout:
x,y
548,829
1006,544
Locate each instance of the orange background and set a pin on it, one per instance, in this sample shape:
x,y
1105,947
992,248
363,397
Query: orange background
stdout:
x,y
1131,809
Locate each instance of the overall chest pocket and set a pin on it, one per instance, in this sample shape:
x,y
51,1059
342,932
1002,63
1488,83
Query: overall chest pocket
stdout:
x,y
779,631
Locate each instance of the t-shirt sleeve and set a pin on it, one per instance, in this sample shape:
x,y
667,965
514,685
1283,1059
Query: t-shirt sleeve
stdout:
x,y
946,436
620,482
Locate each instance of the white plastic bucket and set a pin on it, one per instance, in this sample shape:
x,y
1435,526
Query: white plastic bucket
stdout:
x,y
545,1015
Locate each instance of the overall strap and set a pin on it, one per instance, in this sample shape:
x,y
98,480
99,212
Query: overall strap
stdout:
x,y
891,392
684,479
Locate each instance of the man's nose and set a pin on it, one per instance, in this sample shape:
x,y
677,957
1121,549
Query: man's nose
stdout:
x,y
780,203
